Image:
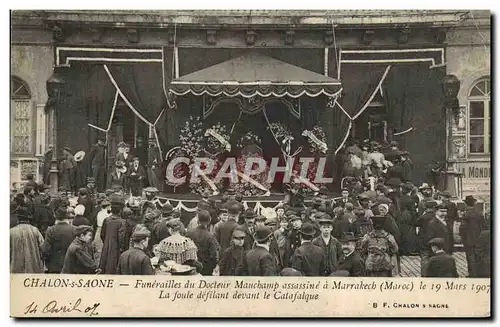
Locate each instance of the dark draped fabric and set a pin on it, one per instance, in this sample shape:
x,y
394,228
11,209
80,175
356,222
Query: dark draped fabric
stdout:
x,y
359,81
88,99
142,85
169,119
414,99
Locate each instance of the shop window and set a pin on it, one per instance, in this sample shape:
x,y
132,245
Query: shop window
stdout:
x,y
479,132
21,117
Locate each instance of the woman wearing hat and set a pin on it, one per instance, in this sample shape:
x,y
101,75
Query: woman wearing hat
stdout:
x,y
176,247
25,243
378,247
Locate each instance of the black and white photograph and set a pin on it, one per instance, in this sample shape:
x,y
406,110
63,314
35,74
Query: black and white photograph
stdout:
x,y
337,147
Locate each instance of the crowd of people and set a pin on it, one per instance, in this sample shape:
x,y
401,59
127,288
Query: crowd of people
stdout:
x,y
360,233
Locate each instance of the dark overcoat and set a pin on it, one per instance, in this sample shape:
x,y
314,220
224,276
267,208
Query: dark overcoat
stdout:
x,y
57,241
440,265
332,252
309,259
113,243
134,261
259,262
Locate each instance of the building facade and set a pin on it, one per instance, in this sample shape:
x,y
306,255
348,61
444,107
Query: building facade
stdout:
x,y
396,53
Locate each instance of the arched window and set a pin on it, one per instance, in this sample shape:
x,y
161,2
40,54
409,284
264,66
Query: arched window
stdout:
x,y
21,117
479,117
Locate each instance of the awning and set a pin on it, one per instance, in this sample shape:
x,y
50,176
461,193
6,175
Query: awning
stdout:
x,y
255,74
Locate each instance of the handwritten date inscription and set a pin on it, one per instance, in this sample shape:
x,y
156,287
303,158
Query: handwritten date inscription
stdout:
x,y
53,307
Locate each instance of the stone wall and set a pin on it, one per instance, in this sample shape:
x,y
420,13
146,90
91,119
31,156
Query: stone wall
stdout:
x,y
468,57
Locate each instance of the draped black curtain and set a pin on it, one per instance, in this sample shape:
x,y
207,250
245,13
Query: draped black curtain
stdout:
x,y
142,85
359,82
88,99
414,99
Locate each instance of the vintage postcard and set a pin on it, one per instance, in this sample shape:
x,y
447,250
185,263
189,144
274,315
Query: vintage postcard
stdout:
x,y
250,163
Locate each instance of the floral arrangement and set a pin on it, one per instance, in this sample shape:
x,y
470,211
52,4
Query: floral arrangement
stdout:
x,y
311,175
245,187
192,136
280,131
215,144
317,139
248,138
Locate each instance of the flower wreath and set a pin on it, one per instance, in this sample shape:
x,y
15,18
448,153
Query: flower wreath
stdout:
x,y
191,136
318,132
212,143
249,136
279,131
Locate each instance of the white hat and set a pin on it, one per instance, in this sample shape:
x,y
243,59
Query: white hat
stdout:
x,y
79,156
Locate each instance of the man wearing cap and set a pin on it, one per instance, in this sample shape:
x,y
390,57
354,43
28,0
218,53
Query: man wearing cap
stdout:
x,y
350,259
293,238
259,261
470,228
205,242
135,261
408,218
231,261
57,240
426,192
66,170
79,258
330,246
440,264
451,210
423,221
249,227
136,177
97,163
112,236
225,231
25,243
308,258
437,228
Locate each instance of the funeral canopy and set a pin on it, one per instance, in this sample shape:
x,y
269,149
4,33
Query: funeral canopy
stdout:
x,y
255,75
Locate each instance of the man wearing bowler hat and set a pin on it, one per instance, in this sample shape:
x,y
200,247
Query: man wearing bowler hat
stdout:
x,y
135,261
440,264
330,246
136,177
308,258
259,261
438,228
351,259
470,228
